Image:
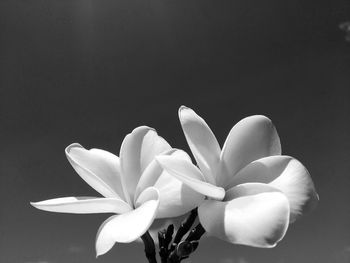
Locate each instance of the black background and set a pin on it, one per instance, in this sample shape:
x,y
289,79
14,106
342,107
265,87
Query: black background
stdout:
x,y
90,71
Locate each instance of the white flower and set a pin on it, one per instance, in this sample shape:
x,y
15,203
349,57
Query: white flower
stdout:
x,y
253,192
134,187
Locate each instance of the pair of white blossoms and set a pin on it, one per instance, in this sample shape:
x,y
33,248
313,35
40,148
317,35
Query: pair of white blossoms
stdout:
x,y
246,193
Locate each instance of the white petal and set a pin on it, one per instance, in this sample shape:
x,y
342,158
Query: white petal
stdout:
x,y
150,175
83,205
130,160
127,227
202,142
258,220
175,197
288,175
99,168
190,175
152,145
150,193
250,139
248,189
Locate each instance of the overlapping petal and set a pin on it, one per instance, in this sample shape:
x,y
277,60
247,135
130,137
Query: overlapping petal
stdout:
x,y
137,151
150,193
100,169
131,186
253,217
286,174
130,159
248,189
202,142
250,139
176,198
83,205
129,226
265,195
151,174
190,175
264,190
152,145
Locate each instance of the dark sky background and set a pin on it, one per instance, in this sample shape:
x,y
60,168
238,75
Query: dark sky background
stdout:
x,y
90,71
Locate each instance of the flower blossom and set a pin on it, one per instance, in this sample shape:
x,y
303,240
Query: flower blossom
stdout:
x,y
133,186
253,192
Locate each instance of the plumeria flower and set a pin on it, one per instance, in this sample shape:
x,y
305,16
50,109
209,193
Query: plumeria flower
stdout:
x,y
253,192
133,186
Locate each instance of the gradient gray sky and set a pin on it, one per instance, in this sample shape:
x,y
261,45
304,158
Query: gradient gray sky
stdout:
x,y
90,71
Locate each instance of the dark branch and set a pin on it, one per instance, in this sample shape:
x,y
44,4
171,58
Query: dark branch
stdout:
x,y
165,237
196,233
183,229
163,250
169,235
180,249
150,249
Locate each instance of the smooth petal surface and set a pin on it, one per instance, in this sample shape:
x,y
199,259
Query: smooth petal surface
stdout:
x,y
249,189
99,168
152,145
258,220
127,227
176,198
150,193
202,142
190,175
288,175
130,159
151,174
83,205
250,139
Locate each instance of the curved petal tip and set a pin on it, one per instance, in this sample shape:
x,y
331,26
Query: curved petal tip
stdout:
x,y
72,145
255,220
127,227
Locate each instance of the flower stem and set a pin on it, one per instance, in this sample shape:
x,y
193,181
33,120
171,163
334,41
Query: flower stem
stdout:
x,y
150,249
164,237
181,249
196,233
184,228
188,246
